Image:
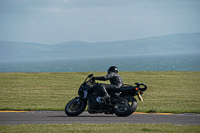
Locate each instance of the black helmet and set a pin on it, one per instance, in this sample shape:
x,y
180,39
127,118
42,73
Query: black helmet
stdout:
x,y
112,69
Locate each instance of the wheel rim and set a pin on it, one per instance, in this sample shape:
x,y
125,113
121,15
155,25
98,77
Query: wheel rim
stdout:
x,y
126,105
74,106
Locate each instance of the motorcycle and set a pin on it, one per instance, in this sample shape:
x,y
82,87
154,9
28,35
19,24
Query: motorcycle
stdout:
x,y
121,103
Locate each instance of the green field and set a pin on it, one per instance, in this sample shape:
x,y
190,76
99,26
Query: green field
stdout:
x,y
169,91
99,128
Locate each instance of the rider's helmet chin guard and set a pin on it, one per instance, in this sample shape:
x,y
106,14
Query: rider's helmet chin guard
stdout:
x,y
112,69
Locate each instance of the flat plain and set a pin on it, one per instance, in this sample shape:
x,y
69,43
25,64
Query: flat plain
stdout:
x,y
168,91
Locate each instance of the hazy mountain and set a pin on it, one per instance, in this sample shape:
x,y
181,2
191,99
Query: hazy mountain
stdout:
x,y
177,43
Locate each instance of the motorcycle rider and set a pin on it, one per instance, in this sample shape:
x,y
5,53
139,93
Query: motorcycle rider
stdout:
x,y
115,80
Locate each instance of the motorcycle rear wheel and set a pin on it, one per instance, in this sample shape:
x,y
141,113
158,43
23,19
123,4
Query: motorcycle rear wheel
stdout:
x,y
127,110
74,107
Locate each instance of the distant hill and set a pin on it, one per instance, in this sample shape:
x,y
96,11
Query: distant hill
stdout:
x,y
177,43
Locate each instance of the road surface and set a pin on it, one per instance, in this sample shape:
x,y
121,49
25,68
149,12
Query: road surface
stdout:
x,y
59,117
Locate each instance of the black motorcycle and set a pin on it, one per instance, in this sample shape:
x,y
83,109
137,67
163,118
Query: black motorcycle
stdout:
x,y
121,103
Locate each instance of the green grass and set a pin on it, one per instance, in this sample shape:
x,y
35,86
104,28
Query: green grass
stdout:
x,y
99,128
173,92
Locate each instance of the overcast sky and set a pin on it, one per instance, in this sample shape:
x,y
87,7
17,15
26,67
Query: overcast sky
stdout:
x,y
56,21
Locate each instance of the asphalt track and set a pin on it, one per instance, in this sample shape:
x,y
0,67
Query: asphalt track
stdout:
x,y
59,117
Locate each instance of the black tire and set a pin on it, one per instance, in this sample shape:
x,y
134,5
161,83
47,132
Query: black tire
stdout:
x,y
74,107
130,107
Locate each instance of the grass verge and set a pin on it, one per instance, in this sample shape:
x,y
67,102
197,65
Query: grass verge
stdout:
x,y
99,128
170,91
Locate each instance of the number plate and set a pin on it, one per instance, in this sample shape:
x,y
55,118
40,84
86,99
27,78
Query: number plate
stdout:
x,y
140,97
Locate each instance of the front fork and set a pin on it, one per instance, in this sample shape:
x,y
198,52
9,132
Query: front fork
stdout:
x,y
82,97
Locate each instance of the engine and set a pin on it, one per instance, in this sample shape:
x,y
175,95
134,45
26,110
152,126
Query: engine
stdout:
x,y
95,99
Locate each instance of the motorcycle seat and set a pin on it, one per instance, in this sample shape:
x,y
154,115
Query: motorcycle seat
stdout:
x,y
126,87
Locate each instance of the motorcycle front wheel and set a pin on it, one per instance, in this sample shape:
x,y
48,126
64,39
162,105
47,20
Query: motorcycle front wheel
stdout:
x,y
75,107
127,108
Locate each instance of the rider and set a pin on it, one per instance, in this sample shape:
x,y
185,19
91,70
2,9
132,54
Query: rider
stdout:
x,y
115,80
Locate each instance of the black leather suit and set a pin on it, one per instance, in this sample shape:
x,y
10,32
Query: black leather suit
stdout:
x,y
115,80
